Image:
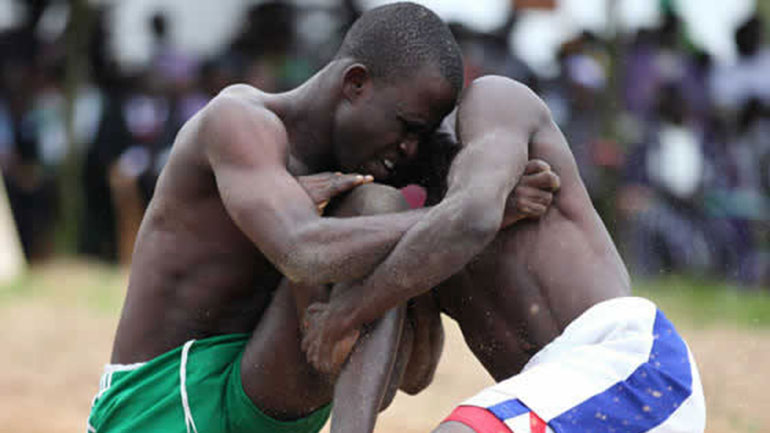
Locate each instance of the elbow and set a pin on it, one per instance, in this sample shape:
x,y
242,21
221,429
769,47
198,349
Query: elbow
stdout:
x,y
306,261
302,266
481,230
294,267
414,388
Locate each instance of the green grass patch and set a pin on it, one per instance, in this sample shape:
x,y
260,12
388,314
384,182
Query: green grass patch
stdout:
x,y
701,302
687,300
69,283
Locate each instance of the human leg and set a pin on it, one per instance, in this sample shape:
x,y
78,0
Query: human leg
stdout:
x,y
274,372
370,378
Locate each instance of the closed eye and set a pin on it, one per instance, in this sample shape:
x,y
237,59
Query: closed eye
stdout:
x,y
413,127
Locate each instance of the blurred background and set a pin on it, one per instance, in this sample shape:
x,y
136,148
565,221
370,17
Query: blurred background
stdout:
x,y
665,103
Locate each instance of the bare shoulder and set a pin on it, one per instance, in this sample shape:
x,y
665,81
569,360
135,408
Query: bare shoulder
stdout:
x,y
493,102
497,86
236,125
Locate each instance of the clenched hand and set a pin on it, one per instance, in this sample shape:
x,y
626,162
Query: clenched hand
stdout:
x,y
533,194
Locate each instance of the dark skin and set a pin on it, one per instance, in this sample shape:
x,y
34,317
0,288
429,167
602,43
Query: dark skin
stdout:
x,y
401,350
230,218
383,352
512,291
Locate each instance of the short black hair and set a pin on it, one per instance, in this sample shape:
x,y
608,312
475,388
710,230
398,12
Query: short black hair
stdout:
x,y
430,168
397,39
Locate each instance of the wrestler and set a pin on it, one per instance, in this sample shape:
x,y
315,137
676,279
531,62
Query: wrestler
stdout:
x,y
544,305
229,220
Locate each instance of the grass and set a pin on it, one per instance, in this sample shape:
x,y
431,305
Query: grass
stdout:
x,y
91,285
702,302
687,300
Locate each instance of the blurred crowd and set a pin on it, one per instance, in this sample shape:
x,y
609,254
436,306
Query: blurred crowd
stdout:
x,y
677,160
674,148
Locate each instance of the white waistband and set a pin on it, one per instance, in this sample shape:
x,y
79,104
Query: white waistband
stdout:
x,y
111,368
613,312
629,319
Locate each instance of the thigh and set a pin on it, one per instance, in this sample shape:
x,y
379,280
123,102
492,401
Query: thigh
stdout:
x,y
274,370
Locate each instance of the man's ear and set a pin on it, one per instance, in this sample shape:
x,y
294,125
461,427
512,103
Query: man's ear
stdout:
x,y
356,81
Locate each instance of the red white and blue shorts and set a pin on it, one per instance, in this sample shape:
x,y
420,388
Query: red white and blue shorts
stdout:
x,y
620,367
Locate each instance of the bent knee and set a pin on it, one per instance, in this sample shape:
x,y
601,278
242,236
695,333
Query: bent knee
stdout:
x,y
371,199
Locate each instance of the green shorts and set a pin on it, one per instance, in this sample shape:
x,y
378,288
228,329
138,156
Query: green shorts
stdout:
x,y
148,397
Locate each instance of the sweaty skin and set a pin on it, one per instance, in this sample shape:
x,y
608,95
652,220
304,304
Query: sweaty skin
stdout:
x,y
512,291
536,277
229,220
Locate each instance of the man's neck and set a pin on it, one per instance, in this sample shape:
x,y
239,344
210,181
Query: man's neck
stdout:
x,y
307,113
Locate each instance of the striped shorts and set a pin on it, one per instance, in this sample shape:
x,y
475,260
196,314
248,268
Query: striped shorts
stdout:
x,y
620,367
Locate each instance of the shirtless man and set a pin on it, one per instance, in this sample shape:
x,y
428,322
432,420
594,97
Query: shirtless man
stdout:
x,y
209,335
198,346
544,305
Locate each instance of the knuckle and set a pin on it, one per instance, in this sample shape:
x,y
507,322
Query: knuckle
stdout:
x,y
527,191
539,165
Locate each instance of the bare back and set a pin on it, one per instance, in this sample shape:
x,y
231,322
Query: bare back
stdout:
x,y
536,276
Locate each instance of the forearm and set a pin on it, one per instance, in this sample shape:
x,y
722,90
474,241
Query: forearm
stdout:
x,y
449,236
434,249
343,249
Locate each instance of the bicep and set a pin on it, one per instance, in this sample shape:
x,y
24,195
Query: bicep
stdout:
x,y
246,149
497,118
266,204
488,165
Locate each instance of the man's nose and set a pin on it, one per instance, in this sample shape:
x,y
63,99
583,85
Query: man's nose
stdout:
x,y
408,148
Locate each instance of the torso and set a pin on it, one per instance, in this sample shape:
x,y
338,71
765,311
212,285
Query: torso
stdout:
x,y
537,276
194,273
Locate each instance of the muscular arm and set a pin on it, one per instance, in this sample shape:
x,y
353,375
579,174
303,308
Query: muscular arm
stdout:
x,y
495,152
247,149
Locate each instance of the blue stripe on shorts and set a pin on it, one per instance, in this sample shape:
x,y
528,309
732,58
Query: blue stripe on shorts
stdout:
x,y
508,409
635,405
647,398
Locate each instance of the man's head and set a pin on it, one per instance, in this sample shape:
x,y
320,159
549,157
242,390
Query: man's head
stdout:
x,y
404,76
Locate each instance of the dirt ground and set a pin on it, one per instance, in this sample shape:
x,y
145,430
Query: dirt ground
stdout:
x,y
54,346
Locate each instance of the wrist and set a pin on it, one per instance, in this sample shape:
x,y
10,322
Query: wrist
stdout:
x,y
345,309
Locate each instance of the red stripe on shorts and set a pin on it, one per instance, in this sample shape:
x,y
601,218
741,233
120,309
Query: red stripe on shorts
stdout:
x,y
479,419
536,425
